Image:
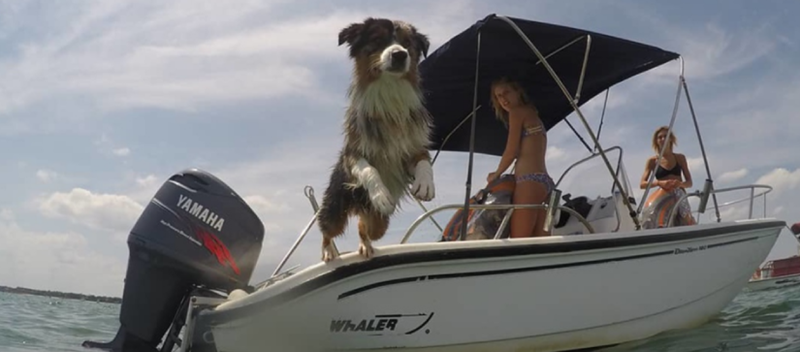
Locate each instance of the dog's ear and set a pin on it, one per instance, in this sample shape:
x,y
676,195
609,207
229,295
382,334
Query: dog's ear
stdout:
x,y
350,33
422,42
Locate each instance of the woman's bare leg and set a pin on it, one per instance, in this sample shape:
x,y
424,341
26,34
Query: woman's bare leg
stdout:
x,y
524,220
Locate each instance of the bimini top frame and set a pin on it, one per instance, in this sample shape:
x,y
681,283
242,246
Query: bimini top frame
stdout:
x,y
604,62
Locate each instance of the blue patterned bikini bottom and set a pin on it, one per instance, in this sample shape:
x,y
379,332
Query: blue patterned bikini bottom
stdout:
x,y
540,177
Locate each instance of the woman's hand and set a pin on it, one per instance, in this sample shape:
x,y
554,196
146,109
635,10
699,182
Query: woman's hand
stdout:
x,y
669,185
492,176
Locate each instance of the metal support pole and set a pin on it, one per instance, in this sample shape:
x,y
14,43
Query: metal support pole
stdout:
x,y
552,207
468,187
583,69
707,187
309,192
702,147
436,223
666,140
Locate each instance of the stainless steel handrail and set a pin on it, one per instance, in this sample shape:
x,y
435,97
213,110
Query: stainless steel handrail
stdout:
x,y
590,157
751,187
309,193
429,213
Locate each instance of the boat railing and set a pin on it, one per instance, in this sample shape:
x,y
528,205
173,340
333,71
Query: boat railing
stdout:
x,y
428,215
590,157
309,193
551,206
504,223
752,197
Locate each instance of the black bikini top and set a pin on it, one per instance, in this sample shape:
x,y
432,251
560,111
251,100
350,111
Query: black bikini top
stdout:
x,y
661,172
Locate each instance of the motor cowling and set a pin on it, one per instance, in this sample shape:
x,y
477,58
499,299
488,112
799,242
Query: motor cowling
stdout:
x,y
195,232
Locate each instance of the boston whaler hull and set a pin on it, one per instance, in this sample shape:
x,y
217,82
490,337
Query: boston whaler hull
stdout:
x,y
551,294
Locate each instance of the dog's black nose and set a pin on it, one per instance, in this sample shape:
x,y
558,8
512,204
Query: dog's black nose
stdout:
x,y
399,55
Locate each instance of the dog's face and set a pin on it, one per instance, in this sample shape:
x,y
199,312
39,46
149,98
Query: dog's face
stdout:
x,y
392,47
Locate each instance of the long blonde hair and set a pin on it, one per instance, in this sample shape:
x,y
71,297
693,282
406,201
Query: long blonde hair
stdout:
x,y
499,112
673,141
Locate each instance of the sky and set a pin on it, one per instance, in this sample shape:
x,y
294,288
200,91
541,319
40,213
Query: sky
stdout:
x,y
102,101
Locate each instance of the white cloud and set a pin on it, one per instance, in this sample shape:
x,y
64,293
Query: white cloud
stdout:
x,y
56,260
147,181
731,176
714,52
174,56
105,145
121,151
46,175
554,153
138,66
710,51
696,164
781,179
6,214
261,204
110,212
141,189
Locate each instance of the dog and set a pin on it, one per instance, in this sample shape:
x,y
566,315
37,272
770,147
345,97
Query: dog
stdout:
x,y
387,129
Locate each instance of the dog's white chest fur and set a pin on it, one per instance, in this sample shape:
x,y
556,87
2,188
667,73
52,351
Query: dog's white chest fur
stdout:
x,y
385,118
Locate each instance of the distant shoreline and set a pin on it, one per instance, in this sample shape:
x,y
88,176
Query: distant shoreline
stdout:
x,y
67,295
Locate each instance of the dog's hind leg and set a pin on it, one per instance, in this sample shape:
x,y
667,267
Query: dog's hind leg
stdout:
x,y
367,176
333,213
371,227
332,222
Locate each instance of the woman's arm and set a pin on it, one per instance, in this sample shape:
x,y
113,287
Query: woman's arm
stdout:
x,y
512,144
648,168
686,173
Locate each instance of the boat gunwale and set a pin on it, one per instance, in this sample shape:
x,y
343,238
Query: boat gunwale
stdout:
x,y
461,250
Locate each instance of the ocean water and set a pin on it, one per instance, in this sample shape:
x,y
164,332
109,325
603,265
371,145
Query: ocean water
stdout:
x,y
754,321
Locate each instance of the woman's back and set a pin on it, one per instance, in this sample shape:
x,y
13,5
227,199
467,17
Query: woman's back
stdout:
x,y
532,147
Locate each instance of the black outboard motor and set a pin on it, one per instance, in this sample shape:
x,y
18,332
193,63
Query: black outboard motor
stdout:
x,y
196,233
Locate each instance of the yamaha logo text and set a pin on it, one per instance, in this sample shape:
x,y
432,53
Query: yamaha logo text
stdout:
x,y
200,212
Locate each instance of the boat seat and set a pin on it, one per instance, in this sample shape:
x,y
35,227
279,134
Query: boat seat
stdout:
x,y
579,204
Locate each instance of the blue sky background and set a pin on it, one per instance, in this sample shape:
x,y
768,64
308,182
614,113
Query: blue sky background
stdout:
x,y
101,101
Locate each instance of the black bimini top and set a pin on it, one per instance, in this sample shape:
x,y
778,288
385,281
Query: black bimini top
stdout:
x,y
448,75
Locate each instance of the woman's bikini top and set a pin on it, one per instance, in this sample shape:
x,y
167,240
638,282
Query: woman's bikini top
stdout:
x,y
531,130
661,172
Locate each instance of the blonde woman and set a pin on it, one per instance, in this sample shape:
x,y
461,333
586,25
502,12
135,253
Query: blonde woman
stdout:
x,y
672,177
526,144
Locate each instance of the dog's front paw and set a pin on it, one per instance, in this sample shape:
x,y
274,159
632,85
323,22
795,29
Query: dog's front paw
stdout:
x,y
423,187
328,253
366,249
383,201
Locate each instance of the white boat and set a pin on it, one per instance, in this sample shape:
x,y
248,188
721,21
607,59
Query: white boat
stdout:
x,y
773,282
778,273
613,282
